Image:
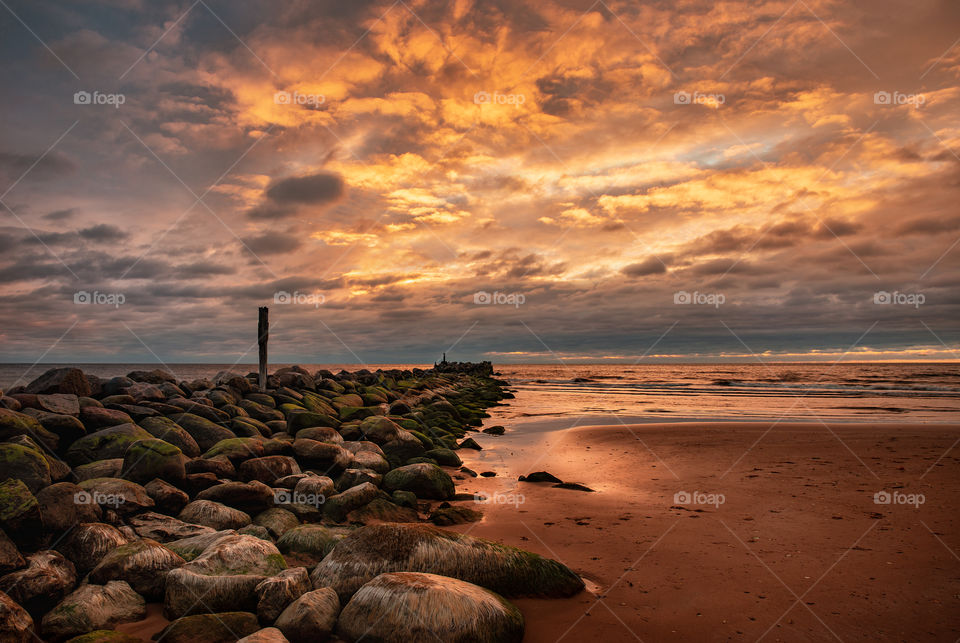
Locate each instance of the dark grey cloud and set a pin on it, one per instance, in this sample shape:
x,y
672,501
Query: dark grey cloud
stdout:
x,y
649,266
103,232
314,189
271,243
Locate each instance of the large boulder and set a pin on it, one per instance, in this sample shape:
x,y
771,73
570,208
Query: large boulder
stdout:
x,y
370,460
266,635
267,470
10,558
167,430
237,449
214,515
276,521
405,446
318,433
377,549
20,513
311,617
225,627
164,528
251,497
321,456
379,430
13,424
226,575
26,464
98,417
142,563
16,624
338,506
93,607
424,479
311,542
99,469
111,442
67,427
205,432
152,458
410,606
120,495
276,592
47,579
166,497
61,380
87,543
60,509
190,548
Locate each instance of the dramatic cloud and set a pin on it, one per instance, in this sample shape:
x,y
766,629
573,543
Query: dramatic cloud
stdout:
x,y
599,159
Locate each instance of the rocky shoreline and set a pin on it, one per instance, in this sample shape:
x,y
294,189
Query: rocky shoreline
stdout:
x,y
304,512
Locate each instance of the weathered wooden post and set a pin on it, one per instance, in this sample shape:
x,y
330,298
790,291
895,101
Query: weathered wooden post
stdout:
x,y
263,334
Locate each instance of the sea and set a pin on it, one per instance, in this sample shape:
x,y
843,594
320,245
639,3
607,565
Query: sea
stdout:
x,y
600,393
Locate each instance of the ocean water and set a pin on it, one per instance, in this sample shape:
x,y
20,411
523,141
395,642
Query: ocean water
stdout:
x,y
894,392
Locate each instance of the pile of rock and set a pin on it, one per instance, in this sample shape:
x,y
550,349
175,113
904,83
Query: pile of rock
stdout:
x,y
251,515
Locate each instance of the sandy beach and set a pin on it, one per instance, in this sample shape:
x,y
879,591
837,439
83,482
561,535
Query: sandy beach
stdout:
x,y
798,549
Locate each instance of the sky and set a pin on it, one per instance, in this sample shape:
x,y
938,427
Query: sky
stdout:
x,y
512,180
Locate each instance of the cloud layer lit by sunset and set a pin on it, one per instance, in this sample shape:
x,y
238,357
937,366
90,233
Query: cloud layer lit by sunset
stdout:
x,y
393,159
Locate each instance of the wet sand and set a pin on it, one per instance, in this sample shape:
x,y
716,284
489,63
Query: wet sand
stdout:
x,y
798,550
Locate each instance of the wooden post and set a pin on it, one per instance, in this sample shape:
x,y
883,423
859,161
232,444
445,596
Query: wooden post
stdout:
x,y
263,334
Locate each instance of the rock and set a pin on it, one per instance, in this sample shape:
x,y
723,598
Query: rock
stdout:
x,y
167,430
370,460
260,411
105,636
404,499
220,466
447,516
353,477
164,528
13,424
379,430
312,541
156,376
495,430
214,515
122,496
405,446
166,497
10,558
408,606
47,579
144,564
225,627
67,427
205,432
266,635
312,617
540,476
320,434
470,443
99,469
60,508
315,486
16,624
277,592
87,544
338,506
425,480
267,470
25,464
71,381
373,550
574,486
488,474
225,575
105,444
59,403
379,510
256,531
93,607
10,403
20,513
322,456
251,497
237,449
190,548
444,457
97,417
152,458
305,420
276,521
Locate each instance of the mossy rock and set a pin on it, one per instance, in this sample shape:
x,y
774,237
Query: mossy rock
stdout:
x,y
19,512
224,627
445,457
205,432
348,400
13,423
313,541
358,412
456,515
105,444
167,430
276,521
236,449
425,480
308,419
153,458
420,459
263,399
105,636
26,464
